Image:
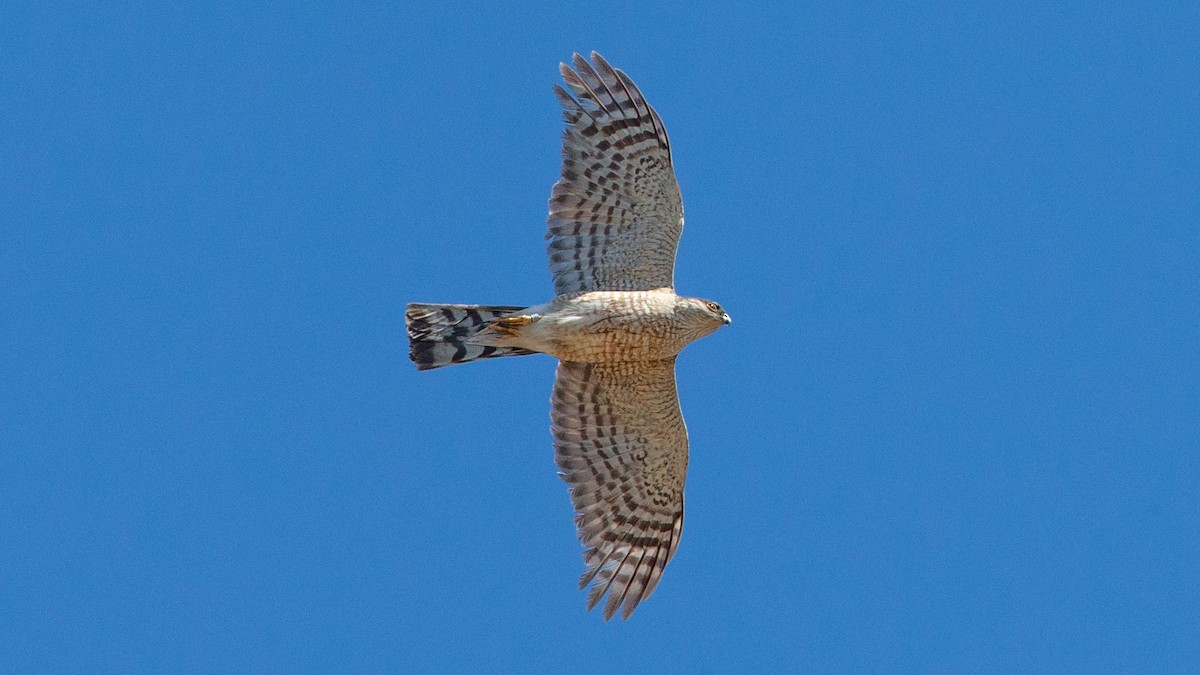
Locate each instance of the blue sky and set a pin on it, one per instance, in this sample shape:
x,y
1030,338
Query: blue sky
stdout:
x,y
953,427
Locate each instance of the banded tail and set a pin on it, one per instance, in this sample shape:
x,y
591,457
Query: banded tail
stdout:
x,y
442,335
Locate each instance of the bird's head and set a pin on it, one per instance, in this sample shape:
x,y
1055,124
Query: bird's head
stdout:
x,y
706,315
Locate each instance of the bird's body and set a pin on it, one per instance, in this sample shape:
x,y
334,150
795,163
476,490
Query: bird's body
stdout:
x,y
605,326
616,326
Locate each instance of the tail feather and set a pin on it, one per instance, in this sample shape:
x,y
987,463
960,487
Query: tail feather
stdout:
x,y
442,335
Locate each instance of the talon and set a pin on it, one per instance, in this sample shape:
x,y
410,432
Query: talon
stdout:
x,y
508,325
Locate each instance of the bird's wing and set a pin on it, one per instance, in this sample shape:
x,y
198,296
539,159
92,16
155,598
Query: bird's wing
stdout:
x,y
621,444
616,213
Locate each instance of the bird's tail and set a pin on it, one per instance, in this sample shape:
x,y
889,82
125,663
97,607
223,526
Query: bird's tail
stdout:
x,y
444,335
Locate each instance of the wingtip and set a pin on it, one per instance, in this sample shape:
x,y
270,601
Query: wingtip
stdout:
x,y
610,610
600,60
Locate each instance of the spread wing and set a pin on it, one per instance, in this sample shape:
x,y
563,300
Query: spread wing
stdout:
x,y
616,213
621,444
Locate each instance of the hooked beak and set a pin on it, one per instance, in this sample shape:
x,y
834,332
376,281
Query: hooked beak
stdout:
x,y
725,318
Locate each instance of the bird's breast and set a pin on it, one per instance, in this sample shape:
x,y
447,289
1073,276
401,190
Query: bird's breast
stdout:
x,y
611,326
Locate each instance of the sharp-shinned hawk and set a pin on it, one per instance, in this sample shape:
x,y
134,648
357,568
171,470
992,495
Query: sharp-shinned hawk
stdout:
x,y
616,326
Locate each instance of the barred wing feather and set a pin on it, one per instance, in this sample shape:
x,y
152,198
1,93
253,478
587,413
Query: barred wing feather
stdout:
x,y
616,213
621,444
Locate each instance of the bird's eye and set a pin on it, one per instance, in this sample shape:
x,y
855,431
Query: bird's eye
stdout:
x,y
712,306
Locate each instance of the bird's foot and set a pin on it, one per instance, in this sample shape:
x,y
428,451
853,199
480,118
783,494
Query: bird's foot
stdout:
x,y
509,325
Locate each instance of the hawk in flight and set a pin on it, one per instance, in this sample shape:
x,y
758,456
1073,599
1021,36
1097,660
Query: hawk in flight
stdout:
x,y
615,325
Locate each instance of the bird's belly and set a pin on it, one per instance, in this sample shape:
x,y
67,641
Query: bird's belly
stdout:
x,y
614,346
608,339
